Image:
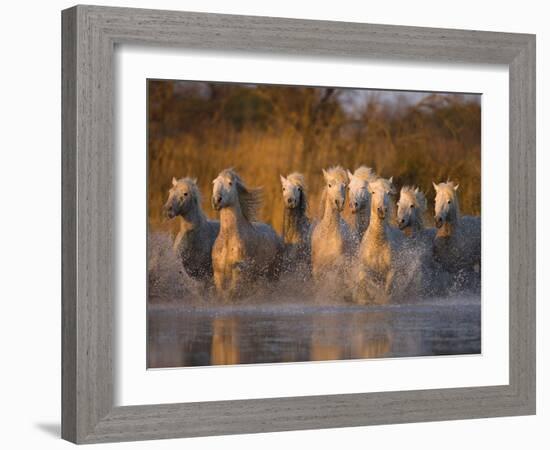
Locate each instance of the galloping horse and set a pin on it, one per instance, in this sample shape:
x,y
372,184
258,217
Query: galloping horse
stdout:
x,y
193,243
332,242
379,249
411,208
457,244
296,225
244,250
360,197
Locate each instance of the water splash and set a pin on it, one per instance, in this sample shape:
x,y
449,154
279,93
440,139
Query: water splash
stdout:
x,y
294,320
417,277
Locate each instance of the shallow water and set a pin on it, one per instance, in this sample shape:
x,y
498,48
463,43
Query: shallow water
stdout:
x,y
291,320
181,335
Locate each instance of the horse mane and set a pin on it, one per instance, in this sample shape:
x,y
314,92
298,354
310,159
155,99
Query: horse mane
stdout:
x,y
380,183
364,173
421,202
250,199
338,173
297,179
386,184
322,202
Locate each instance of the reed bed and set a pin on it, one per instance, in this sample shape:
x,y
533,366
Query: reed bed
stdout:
x,y
197,129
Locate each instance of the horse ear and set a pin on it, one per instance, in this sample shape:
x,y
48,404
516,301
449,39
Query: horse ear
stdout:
x,y
174,181
350,175
416,190
393,190
283,179
456,187
435,186
325,174
194,180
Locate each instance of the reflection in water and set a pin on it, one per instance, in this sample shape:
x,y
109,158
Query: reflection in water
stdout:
x,y
200,336
349,336
225,341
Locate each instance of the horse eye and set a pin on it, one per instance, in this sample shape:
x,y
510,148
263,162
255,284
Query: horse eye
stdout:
x,y
329,185
448,202
185,194
230,183
412,206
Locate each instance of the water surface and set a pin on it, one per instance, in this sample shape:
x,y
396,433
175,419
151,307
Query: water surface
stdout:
x,y
181,335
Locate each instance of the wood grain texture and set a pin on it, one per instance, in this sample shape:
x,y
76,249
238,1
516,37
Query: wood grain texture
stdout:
x,y
68,225
89,36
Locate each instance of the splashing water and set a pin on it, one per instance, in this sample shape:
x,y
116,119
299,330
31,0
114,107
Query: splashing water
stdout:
x,y
293,320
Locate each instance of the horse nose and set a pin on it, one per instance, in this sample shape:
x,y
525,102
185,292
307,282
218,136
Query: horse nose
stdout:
x,y
289,201
355,204
168,211
402,220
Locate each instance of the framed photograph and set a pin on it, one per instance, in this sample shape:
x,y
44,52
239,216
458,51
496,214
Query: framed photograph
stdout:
x,y
277,224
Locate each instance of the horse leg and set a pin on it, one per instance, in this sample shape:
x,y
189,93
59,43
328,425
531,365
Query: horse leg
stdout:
x,y
359,292
276,266
389,284
236,281
219,284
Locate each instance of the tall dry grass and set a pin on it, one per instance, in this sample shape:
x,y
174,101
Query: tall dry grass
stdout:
x,y
198,129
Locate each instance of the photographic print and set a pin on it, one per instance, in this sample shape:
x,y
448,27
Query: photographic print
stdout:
x,y
297,223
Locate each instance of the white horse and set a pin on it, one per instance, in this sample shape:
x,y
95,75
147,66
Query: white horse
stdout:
x,y
411,209
296,225
378,254
457,244
332,242
244,250
193,243
425,274
359,197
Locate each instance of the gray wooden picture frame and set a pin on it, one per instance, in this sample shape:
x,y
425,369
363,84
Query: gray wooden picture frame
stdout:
x,y
90,34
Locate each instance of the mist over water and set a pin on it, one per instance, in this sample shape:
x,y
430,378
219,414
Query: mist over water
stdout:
x,y
291,320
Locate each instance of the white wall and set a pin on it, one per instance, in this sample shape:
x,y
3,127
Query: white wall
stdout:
x,y
30,221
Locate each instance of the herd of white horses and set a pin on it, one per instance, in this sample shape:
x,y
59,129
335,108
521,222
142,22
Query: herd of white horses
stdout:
x,y
387,252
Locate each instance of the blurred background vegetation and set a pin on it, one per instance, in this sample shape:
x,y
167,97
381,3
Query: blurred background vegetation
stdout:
x,y
197,129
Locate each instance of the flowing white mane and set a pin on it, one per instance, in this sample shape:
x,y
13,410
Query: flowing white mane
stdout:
x,y
365,173
250,199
